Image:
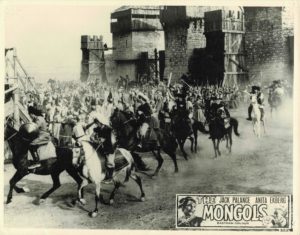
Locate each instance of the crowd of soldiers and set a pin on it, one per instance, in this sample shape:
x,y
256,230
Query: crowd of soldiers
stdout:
x,y
60,102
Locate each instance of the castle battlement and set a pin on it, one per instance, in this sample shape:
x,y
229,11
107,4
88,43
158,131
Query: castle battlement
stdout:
x,y
92,63
91,42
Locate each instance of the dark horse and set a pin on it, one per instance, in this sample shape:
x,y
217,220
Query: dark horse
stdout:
x,y
52,166
218,131
126,127
198,126
182,130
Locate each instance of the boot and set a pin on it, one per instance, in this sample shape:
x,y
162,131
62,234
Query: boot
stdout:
x,y
109,175
36,160
249,113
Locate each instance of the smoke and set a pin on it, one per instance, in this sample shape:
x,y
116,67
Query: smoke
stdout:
x,y
283,116
266,73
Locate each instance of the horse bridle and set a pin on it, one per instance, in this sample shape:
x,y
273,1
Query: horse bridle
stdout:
x,y
96,149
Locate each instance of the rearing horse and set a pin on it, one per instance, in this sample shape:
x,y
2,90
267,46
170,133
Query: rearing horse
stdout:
x,y
126,131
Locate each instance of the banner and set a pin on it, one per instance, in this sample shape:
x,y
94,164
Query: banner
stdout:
x,y
234,212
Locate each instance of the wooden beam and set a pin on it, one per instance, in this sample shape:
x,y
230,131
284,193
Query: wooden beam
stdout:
x,y
235,73
11,89
237,64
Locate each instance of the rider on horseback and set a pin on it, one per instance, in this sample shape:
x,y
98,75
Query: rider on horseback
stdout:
x,y
42,135
164,116
260,100
219,112
144,116
104,132
181,110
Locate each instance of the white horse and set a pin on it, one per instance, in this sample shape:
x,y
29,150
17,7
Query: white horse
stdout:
x,y
93,171
257,120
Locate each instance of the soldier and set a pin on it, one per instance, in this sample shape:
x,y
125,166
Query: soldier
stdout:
x,y
144,113
104,132
260,100
43,136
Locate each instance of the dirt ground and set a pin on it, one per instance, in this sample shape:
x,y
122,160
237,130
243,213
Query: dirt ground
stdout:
x,y
255,166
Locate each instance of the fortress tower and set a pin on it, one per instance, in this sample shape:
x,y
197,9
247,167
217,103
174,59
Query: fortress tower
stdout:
x,y
93,62
137,34
224,31
184,32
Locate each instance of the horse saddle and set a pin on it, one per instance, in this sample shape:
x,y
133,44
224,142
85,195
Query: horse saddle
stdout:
x,y
148,134
46,151
120,161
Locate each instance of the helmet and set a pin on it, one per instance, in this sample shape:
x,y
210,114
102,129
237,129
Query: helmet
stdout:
x,y
29,131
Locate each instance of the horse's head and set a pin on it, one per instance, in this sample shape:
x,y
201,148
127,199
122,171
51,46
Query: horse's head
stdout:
x,y
9,131
121,123
115,119
18,145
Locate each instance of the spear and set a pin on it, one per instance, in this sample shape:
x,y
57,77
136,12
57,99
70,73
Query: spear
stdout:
x,y
169,81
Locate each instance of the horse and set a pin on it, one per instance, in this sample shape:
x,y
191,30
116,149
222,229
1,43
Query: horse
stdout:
x,y
52,166
65,139
126,128
218,131
93,171
182,130
198,124
275,98
257,120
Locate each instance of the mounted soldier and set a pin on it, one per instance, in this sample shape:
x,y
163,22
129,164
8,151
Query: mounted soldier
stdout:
x,y
164,116
180,110
219,112
181,122
148,124
260,100
103,132
276,95
277,89
199,110
102,136
223,114
38,133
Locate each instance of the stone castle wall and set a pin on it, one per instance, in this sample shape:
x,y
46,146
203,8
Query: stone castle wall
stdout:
x,y
268,48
